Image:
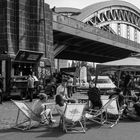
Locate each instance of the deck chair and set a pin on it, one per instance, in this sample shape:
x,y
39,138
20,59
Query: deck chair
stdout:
x,y
29,116
101,116
113,111
73,119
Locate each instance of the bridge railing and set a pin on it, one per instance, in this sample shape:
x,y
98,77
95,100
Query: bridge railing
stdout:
x,y
71,22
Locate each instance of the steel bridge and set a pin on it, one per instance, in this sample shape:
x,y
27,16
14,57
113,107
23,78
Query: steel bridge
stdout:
x,y
101,32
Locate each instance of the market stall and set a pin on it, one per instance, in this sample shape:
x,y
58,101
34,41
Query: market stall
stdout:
x,y
131,63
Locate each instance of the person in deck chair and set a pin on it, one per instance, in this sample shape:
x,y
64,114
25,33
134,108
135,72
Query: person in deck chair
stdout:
x,y
39,109
94,96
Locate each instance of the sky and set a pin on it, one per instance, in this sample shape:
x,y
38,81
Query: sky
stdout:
x,y
82,3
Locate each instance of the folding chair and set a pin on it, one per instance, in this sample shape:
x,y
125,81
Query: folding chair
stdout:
x,y
101,116
74,116
29,114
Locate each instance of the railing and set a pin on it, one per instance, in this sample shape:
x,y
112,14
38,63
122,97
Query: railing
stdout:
x,y
67,21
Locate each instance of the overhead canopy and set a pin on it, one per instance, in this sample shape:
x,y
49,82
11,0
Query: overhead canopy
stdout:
x,y
127,64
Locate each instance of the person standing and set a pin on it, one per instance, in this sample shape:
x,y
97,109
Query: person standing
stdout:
x,y
70,86
30,84
127,81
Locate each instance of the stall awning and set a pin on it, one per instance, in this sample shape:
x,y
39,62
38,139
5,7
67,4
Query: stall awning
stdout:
x,y
28,56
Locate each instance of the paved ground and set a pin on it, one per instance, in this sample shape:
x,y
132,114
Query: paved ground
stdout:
x,y
125,130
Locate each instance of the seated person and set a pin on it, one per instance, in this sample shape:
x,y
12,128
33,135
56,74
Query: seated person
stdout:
x,y
39,109
94,96
60,104
132,111
135,108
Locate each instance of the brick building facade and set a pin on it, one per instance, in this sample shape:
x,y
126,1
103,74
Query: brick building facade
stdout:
x,y
24,44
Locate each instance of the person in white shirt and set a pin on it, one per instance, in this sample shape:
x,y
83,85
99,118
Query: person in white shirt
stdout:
x,y
62,90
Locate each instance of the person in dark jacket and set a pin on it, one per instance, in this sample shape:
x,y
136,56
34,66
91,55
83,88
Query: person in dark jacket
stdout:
x,y
94,96
127,81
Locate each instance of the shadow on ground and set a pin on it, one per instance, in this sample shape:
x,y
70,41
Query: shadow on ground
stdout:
x,y
55,131
44,131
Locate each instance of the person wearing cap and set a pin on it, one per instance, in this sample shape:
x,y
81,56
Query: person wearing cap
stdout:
x,y
39,108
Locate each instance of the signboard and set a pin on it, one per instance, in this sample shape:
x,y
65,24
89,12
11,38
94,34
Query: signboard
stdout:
x,y
28,56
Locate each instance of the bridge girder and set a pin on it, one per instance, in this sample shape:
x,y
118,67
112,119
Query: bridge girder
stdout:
x,y
72,47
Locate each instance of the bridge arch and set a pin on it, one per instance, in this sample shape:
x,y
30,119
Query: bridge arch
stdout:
x,y
117,17
89,10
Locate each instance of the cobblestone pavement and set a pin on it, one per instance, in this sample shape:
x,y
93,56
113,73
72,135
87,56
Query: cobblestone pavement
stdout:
x,y
8,111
